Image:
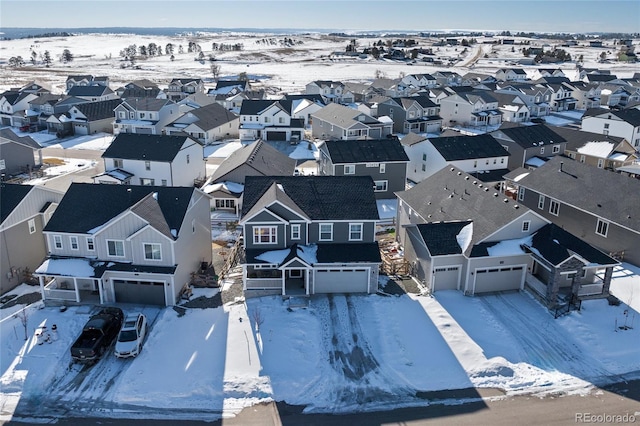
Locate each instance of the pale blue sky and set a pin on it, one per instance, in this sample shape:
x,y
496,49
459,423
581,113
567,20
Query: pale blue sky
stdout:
x,y
512,15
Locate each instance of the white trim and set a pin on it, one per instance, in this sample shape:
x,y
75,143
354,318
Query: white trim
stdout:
x,y
144,228
553,202
73,238
299,229
57,237
320,224
93,243
433,270
31,225
361,231
271,228
606,224
144,252
115,255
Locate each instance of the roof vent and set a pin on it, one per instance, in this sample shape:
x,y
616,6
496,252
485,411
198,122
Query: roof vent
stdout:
x,y
452,169
599,205
466,178
480,186
486,189
516,206
495,194
506,200
459,173
474,182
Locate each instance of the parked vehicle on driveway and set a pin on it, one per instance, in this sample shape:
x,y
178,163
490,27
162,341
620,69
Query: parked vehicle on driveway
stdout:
x,y
131,336
97,335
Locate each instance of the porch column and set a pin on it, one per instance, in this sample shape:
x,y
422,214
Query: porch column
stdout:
x,y
284,280
75,287
41,282
100,291
553,288
606,282
306,281
577,282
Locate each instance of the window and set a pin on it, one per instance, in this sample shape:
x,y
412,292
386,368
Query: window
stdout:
x,y
424,168
521,193
115,248
146,182
349,169
295,232
554,207
188,158
164,182
326,231
355,232
32,226
582,158
424,157
147,165
2,165
280,120
90,245
57,241
117,163
525,225
152,251
602,227
475,163
606,125
600,163
267,119
382,168
556,149
74,243
380,186
542,150
541,202
265,235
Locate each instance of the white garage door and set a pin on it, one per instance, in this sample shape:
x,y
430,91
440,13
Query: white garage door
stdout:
x,y
498,279
80,129
446,278
341,281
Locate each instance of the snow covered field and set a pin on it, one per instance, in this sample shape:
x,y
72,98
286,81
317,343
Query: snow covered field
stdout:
x,y
339,354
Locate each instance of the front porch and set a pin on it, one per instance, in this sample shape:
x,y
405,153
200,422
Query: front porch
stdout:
x,y
288,282
69,290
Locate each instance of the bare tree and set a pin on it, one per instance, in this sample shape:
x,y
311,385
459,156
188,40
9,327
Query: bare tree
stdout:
x,y
258,319
23,316
215,71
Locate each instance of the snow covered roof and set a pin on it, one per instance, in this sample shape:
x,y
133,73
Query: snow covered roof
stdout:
x,y
597,149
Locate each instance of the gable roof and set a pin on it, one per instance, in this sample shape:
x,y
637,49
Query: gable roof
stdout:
x,y
366,151
530,136
257,106
557,245
342,116
147,104
631,116
412,139
453,195
11,195
320,197
99,110
612,196
463,147
87,206
91,90
132,146
212,116
260,156
6,135
578,138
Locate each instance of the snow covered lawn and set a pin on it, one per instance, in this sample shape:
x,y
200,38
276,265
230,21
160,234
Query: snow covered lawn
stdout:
x,y
338,354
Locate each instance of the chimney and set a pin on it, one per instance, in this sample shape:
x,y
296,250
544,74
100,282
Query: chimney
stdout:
x,y
561,163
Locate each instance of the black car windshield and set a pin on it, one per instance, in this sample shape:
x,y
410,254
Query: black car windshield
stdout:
x,y
127,336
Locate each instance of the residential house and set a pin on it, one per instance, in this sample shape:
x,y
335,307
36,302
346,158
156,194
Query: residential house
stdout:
x,y
539,73
13,106
619,95
391,87
595,204
24,211
180,88
513,107
18,154
447,78
331,91
536,97
269,120
457,233
162,160
595,149
474,79
206,124
587,95
340,122
226,184
384,160
304,106
86,80
417,114
144,115
93,117
562,93
142,88
480,155
309,235
419,81
621,123
41,108
530,146
476,108
125,244
92,93
511,74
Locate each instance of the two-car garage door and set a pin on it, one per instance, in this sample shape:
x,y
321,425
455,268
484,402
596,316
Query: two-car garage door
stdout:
x,y
143,292
341,281
498,279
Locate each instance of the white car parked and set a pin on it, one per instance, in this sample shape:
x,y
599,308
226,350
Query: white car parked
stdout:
x,y
131,336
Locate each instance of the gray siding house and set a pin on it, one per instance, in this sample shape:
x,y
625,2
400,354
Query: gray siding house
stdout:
x,y
340,122
530,146
24,211
308,235
597,205
384,160
18,154
125,244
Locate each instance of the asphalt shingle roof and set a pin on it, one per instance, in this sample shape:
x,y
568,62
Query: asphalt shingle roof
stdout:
x,y
99,110
531,136
93,90
87,206
320,197
10,196
8,134
212,116
366,151
132,146
440,238
453,195
464,147
260,156
609,195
